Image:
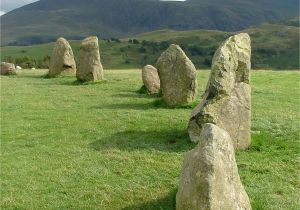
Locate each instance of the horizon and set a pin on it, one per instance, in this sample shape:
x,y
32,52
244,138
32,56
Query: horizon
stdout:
x,y
9,5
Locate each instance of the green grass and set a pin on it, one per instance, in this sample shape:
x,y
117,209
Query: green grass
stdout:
x,y
106,146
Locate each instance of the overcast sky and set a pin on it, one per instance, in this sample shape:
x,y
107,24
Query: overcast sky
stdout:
x,y
8,5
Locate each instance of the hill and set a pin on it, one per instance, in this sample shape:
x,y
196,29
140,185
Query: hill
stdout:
x,y
46,20
273,46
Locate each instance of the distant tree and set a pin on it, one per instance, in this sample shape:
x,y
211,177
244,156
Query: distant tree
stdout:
x,y
142,50
196,50
145,59
163,45
135,41
130,41
115,40
8,59
207,62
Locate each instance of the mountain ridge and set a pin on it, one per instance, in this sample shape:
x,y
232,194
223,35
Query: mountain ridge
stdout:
x,y
46,20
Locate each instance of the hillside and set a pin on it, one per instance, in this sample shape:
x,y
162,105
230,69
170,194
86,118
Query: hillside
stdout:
x,y
46,20
273,46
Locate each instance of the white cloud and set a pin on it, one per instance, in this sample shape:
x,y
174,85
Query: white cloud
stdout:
x,y
2,13
8,5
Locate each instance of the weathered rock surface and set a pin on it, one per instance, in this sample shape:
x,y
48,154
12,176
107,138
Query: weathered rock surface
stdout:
x,y
177,76
151,79
62,59
7,68
89,66
227,99
210,178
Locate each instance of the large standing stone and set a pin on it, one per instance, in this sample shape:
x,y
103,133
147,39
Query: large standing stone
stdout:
x,y
227,99
210,178
7,68
177,76
151,79
62,59
89,65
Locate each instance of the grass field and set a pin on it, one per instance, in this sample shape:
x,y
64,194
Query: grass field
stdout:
x,y
105,146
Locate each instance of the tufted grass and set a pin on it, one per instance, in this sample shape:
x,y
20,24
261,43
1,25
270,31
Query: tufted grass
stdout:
x,y
106,146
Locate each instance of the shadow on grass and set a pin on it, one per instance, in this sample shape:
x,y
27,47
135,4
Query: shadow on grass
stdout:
x,y
156,104
128,106
29,76
167,141
166,203
130,95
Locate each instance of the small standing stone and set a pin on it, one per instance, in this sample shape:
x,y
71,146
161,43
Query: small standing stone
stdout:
x,y
227,99
89,66
210,178
177,76
151,79
62,59
7,68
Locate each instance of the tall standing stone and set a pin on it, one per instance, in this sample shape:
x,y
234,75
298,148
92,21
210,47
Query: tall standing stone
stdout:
x,y
227,99
7,68
62,59
177,76
210,178
89,66
151,79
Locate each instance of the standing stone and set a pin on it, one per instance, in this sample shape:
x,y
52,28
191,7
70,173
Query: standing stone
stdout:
x,y
177,76
151,79
210,178
7,68
89,65
62,59
227,99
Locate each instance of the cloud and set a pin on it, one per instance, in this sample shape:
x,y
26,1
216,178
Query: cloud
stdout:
x,y
2,13
8,5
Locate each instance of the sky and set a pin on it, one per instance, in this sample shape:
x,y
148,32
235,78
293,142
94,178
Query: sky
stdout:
x,y
8,5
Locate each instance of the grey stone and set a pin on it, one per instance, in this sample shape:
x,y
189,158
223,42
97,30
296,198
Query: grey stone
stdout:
x,y
210,178
7,68
151,79
62,59
227,99
89,66
177,76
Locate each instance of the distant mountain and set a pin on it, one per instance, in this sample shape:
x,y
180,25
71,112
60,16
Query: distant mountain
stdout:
x,y
45,20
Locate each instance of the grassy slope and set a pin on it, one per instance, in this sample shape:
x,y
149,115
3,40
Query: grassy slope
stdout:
x,y
104,146
274,46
